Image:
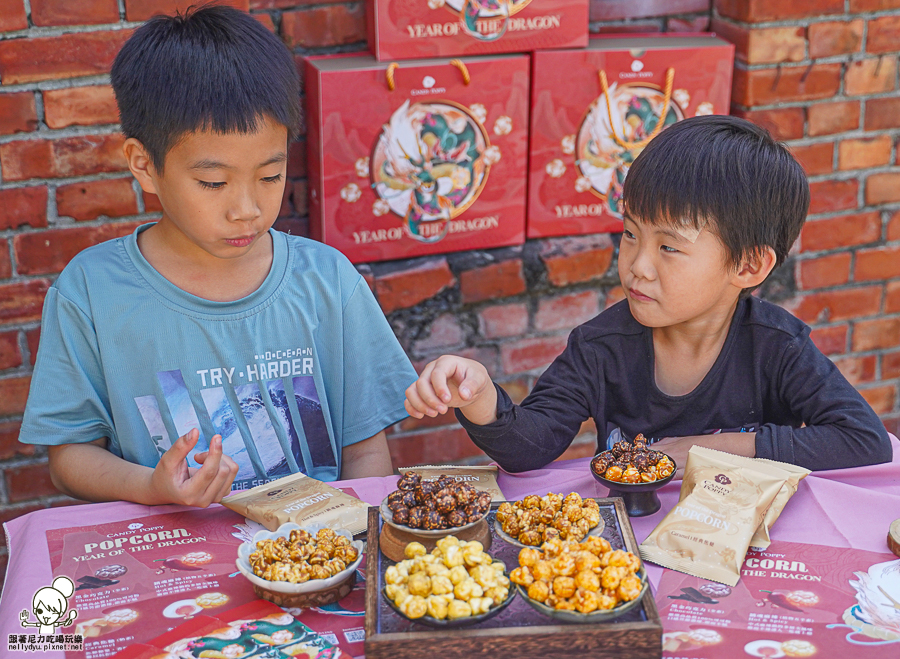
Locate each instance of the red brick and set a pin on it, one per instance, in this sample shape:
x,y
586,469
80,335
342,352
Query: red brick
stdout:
x,y
877,263
883,35
65,12
882,113
83,106
266,19
151,203
64,56
566,311
141,10
783,123
614,296
892,297
764,45
411,423
876,334
434,447
873,5
12,15
23,206
842,231
890,365
296,167
5,261
10,447
333,25
445,333
49,251
830,340
13,392
576,260
756,11
825,271
634,27
503,320
91,199
794,83
610,10
830,118
29,482
870,76
492,282
815,158
21,302
69,156
530,354
300,197
857,369
831,306
865,153
407,288
830,196
883,188
32,337
893,227
278,4
695,24
18,113
880,398
835,38
10,355
892,423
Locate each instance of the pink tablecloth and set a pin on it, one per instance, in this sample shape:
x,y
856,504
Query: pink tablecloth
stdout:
x,y
841,508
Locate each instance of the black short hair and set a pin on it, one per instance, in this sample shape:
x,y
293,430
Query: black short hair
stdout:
x,y
212,68
725,173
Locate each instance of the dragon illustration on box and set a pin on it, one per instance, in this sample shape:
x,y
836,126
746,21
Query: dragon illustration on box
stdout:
x,y
472,11
429,164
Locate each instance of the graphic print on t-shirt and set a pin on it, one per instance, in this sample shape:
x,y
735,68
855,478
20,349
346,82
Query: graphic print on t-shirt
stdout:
x,y
256,411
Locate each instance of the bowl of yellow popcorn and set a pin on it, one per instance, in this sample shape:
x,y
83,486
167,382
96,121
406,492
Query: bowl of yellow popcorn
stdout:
x,y
456,585
580,581
301,566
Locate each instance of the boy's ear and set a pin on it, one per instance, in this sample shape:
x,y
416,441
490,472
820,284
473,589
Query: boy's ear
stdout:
x,y
755,268
140,164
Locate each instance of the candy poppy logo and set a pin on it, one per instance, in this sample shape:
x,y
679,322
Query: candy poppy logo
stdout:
x,y
50,606
429,164
722,479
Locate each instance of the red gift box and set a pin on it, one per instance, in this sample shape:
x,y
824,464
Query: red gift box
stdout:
x,y
583,140
423,158
407,29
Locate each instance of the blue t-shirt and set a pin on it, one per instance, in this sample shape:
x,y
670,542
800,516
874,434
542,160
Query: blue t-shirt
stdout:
x,y
288,375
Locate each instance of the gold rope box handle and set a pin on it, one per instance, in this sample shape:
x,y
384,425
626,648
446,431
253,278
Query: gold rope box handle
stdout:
x,y
670,79
458,63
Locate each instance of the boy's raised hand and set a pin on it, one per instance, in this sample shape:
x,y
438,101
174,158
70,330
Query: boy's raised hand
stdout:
x,y
173,481
452,381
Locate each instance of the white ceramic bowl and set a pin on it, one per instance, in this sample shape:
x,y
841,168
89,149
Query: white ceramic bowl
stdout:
x,y
286,587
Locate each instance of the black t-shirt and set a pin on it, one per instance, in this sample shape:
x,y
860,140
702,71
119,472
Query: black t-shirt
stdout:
x,y
769,379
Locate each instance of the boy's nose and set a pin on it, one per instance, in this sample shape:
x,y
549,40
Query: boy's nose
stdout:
x,y
244,207
642,265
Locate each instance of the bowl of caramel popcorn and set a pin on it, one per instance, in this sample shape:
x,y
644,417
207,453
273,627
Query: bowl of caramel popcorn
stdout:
x,y
535,519
456,585
634,472
301,566
585,581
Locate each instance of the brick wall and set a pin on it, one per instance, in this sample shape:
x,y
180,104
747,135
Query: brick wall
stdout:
x,y
822,74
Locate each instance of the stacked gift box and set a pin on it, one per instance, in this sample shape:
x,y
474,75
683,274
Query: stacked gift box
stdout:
x,y
476,123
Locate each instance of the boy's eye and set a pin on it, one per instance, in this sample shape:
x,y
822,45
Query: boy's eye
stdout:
x,y
628,234
211,185
272,179
668,250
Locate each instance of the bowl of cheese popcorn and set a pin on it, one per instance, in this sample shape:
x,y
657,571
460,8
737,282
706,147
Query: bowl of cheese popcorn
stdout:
x,y
456,585
301,566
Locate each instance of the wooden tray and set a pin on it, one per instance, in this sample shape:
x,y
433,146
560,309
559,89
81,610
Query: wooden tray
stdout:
x,y
519,631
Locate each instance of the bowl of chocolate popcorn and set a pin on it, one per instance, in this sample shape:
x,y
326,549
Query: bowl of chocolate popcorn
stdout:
x,y
634,472
301,566
434,508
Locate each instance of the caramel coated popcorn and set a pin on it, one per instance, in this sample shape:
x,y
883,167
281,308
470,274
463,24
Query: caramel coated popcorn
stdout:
x,y
584,577
633,463
535,519
303,556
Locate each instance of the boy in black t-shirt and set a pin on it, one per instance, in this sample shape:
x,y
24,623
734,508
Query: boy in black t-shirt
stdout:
x,y
712,206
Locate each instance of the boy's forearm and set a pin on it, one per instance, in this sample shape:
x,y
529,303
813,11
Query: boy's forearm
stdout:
x,y
367,458
91,473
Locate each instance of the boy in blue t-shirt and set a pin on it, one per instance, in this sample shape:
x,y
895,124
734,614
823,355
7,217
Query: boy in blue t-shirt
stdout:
x,y
712,205
207,352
